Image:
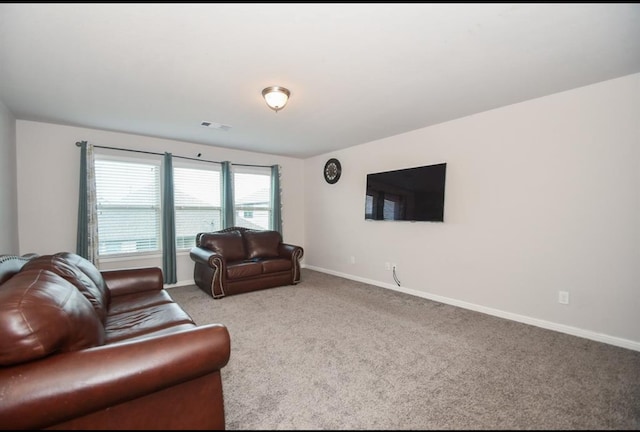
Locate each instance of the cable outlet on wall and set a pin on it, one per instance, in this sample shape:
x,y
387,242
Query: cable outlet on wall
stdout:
x,y
352,259
563,297
394,266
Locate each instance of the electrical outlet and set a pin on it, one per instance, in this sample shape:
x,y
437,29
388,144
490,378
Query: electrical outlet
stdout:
x,y
394,266
563,297
353,259
387,266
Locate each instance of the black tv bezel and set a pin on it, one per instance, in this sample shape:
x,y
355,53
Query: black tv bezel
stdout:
x,y
435,214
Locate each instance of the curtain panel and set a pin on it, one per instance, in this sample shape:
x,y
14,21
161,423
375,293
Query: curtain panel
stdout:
x,y
276,214
168,222
228,215
87,231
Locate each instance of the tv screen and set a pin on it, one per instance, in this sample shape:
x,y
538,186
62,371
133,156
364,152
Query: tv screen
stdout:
x,y
411,194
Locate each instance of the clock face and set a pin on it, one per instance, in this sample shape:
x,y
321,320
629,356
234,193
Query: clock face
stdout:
x,y
332,171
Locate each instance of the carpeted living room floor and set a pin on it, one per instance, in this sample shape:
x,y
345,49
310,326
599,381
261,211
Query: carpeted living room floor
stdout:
x,y
332,353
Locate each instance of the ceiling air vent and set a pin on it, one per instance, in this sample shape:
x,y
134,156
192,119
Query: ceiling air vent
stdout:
x,y
212,125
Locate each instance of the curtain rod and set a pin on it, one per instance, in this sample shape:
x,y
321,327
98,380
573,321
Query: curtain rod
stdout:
x,y
79,143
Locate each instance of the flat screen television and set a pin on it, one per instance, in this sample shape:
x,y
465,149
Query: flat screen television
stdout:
x,y
410,194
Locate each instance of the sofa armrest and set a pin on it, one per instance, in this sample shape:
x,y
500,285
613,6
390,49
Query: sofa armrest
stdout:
x,y
129,281
288,251
205,256
294,253
66,386
209,271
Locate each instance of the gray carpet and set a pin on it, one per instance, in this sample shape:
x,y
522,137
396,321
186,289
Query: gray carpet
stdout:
x,y
331,353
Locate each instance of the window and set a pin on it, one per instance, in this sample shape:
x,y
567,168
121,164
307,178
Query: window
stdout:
x,y
252,196
128,195
130,207
197,202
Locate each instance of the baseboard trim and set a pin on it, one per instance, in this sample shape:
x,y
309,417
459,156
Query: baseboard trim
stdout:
x,y
574,331
180,284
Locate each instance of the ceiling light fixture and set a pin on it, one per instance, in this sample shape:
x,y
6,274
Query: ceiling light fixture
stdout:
x,y
276,97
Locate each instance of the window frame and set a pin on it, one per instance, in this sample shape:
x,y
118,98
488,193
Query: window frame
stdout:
x,y
152,160
268,208
156,160
197,165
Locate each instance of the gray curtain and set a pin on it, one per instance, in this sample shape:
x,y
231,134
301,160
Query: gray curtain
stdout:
x,y
168,223
228,215
87,234
276,214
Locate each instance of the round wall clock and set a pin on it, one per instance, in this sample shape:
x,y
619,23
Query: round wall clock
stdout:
x,y
332,171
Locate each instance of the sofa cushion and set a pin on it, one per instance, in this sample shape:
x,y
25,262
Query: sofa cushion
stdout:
x,y
74,275
276,265
244,269
228,244
141,300
151,319
262,244
89,269
42,313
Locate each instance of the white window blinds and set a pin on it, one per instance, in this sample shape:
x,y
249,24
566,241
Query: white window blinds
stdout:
x,y
197,202
128,196
252,196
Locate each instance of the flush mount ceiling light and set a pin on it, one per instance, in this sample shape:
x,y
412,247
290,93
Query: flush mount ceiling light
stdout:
x,y
276,97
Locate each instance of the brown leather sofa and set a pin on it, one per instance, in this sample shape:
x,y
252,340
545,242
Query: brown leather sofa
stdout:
x,y
237,260
84,349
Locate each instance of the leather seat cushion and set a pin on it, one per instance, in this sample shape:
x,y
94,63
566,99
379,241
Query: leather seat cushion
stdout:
x,y
276,265
147,320
133,301
244,269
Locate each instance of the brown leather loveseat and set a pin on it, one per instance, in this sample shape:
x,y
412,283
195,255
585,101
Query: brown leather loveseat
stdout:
x,y
85,349
237,260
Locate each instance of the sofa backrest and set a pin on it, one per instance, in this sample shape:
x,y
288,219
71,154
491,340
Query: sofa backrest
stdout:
x,y
229,244
99,298
89,269
262,244
41,313
238,243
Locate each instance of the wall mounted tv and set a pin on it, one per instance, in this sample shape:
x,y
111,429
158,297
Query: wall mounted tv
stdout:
x,y
410,194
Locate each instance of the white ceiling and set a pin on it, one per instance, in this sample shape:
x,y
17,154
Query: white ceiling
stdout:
x,y
357,72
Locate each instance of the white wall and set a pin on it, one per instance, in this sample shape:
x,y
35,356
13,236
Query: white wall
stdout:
x,y
48,168
8,184
541,196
